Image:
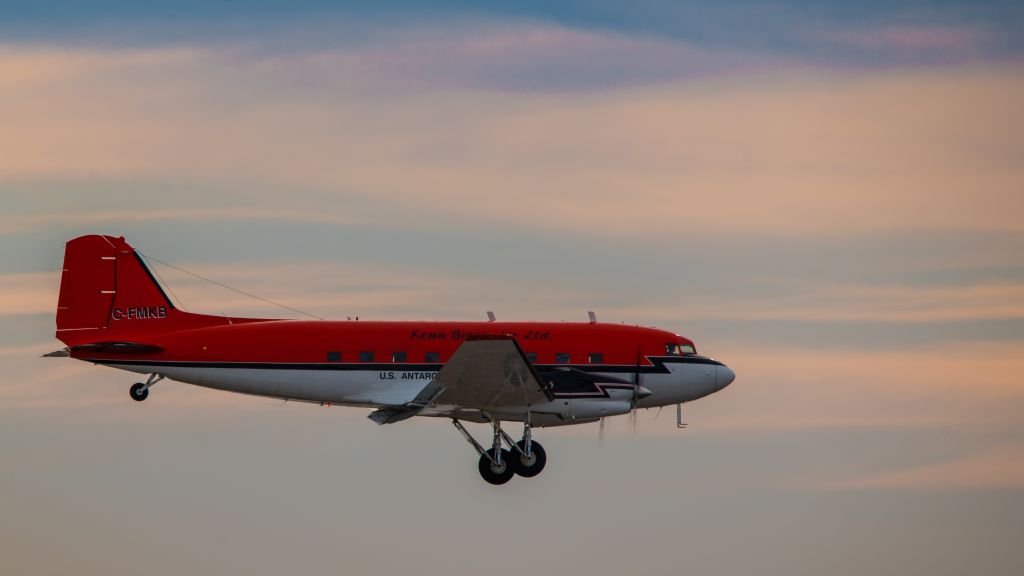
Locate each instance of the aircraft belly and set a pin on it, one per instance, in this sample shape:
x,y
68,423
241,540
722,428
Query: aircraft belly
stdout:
x,y
684,383
358,387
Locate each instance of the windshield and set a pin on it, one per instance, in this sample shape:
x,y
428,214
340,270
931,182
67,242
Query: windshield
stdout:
x,y
673,349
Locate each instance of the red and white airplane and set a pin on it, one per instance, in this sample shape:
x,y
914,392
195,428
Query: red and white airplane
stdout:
x,y
112,312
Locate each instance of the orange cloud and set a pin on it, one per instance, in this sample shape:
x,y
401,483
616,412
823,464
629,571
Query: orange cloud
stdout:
x,y
792,153
974,386
856,303
29,293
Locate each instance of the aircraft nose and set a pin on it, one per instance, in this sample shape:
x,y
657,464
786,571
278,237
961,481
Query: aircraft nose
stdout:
x,y
724,376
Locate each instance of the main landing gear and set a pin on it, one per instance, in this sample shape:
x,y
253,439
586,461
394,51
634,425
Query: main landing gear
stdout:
x,y
140,391
497,465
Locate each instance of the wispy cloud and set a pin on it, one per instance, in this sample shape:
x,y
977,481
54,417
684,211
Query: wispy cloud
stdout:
x,y
969,385
383,291
801,302
529,56
334,291
933,42
29,293
1000,466
13,222
794,153
41,66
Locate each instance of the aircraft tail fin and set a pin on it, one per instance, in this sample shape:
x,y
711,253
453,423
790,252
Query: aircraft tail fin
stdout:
x,y
106,291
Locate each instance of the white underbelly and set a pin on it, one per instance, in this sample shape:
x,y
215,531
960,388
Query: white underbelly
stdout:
x,y
353,387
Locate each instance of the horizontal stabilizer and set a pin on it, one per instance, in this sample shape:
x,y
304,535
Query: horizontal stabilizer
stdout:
x,y
118,347
392,414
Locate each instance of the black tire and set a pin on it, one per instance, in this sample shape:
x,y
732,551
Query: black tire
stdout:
x,y
500,475
524,467
139,392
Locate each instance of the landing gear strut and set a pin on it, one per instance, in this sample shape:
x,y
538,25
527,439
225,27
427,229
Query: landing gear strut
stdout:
x,y
497,465
529,458
140,391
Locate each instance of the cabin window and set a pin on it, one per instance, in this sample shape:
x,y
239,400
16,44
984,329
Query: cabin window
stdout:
x,y
532,357
398,357
366,356
334,356
596,358
562,358
688,349
432,357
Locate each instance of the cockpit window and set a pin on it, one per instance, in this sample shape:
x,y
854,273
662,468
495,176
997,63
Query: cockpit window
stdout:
x,y
673,349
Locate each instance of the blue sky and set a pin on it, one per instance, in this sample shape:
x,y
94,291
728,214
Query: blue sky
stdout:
x,y
785,27
826,196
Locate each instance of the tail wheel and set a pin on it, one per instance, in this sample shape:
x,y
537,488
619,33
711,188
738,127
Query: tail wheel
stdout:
x,y
494,473
139,392
529,467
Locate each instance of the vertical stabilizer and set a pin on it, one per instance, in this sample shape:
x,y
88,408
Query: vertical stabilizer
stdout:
x,y
107,294
105,290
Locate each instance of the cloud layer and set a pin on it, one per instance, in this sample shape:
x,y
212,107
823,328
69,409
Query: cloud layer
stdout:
x,y
799,152
828,201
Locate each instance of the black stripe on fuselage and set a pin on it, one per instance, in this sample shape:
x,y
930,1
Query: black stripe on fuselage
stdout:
x,y
657,365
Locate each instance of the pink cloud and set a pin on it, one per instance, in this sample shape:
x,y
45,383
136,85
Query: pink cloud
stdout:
x,y
786,154
523,56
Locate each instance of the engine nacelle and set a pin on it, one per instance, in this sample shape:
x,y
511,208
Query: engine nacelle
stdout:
x,y
565,411
590,408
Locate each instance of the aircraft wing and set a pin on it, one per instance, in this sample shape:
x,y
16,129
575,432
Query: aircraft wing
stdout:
x,y
488,373
485,373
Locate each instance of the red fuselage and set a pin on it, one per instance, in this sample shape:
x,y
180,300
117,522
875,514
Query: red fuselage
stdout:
x,y
300,341
112,311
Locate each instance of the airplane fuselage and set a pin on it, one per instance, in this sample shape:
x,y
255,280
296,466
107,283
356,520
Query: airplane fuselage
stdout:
x,y
591,367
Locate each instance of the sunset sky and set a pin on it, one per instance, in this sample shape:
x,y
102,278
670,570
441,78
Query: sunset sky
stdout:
x,y
826,196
